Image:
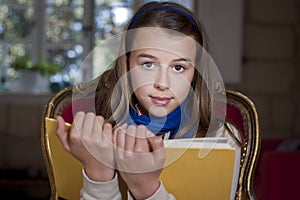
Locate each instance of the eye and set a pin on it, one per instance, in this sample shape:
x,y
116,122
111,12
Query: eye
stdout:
x,y
148,65
178,68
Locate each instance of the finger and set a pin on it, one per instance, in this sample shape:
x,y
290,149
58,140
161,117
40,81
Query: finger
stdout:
x,y
123,127
61,133
120,143
156,142
117,129
121,139
88,124
130,137
60,124
107,132
78,122
157,147
141,142
98,126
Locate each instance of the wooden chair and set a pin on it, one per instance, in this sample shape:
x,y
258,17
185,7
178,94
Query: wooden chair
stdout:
x,y
65,174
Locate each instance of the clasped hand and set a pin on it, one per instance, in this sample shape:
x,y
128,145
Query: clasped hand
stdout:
x,y
134,151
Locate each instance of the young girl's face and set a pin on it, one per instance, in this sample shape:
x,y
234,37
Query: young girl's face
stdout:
x,y
161,70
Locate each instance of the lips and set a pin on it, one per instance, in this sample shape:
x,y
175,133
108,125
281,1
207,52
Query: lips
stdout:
x,y
161,101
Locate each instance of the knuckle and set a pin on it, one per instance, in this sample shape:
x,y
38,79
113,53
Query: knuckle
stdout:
x,y
73,136
131,128
58,132
128,155
139,150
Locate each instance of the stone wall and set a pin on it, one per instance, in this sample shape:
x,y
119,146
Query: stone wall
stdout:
x,y
22,170
271,60
20,133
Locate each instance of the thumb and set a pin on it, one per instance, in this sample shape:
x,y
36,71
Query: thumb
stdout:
x,y
61,133
158,151
156,142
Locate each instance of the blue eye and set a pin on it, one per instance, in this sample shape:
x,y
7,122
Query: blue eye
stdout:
x,y
148,65
178,68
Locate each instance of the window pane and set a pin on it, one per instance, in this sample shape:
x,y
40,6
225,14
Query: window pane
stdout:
x,y
64,24
69,57
65,2
15,22
110,18
16,50
107,2
27,2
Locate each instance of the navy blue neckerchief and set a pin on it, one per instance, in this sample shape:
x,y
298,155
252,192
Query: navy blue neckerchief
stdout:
x,y
156,125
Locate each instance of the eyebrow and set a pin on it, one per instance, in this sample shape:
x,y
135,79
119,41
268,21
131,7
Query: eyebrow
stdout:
x,y
153,57
183,59
147,56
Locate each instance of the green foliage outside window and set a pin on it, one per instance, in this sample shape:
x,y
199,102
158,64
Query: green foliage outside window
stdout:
x,y
43,66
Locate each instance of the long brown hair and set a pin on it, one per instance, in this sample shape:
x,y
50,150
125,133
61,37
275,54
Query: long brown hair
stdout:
x,y
177,19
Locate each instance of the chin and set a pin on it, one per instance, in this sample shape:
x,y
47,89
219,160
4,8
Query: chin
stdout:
x,y
158,111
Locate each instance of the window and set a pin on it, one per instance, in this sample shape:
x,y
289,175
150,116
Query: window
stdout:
x,y
64,36
16,30
65,31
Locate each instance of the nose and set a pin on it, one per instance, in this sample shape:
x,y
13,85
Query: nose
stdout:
x,y
162,81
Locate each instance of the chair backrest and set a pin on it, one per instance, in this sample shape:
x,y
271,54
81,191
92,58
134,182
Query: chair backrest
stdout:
x,y
64,171
65,174
242,113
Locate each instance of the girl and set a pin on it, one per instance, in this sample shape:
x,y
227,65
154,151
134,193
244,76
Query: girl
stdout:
x,y
157,90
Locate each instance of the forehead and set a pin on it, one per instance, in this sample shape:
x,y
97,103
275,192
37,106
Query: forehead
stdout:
x,y
164,40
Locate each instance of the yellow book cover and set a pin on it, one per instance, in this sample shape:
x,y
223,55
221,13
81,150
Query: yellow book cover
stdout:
x,y
200,168
65,169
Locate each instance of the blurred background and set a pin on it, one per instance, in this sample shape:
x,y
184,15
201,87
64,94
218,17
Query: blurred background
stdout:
x,y
255,43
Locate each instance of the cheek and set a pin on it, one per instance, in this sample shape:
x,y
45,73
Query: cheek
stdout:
x,y
141,92
181,87
141,79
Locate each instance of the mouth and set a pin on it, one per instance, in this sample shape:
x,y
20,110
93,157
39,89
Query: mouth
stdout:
x,y
161,101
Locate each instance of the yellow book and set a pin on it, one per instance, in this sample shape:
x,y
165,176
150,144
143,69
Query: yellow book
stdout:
x,y
66,171
200,168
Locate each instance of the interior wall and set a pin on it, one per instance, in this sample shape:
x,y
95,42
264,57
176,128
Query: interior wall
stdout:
x,y
223,23
270,68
